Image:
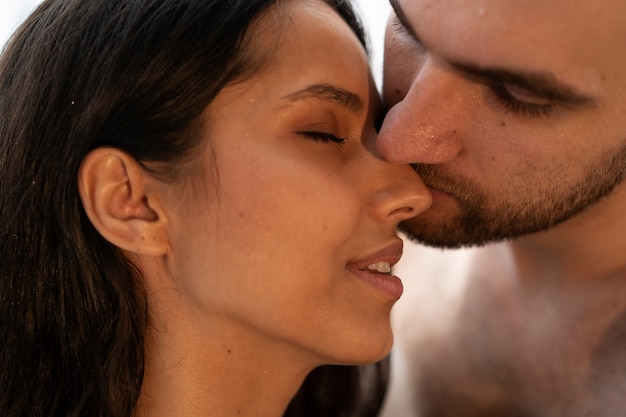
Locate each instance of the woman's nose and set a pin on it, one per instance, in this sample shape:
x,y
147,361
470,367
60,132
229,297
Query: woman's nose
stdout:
x,y
400,194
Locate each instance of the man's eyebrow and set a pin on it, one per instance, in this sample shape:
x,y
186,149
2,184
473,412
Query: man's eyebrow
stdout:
x,y
543,84
327,92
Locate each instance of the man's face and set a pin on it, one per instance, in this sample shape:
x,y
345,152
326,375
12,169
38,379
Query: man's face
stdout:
x,y
513,111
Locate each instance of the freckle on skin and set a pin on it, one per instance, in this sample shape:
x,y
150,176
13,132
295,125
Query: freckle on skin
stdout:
x,y
502,124
398,91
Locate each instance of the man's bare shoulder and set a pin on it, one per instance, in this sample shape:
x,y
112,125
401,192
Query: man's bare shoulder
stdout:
x,y
467,328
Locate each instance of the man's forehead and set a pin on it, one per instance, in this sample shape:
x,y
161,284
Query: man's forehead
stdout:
x,y
573,15
575,43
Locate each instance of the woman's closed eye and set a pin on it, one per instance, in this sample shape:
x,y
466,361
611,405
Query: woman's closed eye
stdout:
x,y
322,137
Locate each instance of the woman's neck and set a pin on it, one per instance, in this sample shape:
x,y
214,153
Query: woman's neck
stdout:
x,y
193,370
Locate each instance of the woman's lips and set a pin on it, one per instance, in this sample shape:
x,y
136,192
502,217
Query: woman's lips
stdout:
x,y
386,283
375,269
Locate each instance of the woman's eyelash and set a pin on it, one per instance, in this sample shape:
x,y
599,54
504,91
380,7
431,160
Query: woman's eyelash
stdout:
x,y
517,106
322,137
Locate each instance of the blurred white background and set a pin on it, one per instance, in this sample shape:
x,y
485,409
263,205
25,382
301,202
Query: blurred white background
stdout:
x,y
12,12
374,13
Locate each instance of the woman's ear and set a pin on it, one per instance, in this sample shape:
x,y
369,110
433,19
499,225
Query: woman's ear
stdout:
x,y
122,202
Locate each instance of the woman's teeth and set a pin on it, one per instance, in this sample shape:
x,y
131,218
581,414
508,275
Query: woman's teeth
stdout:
x,y
382,267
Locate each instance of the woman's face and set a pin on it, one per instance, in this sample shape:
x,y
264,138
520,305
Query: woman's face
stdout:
x,y
290,230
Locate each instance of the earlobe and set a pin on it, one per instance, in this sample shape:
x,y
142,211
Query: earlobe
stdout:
x,y
118,199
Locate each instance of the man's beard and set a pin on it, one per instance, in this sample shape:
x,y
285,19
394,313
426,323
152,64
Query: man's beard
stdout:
x,y
527,207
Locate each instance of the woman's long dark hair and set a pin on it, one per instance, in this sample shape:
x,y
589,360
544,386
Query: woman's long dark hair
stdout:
x,y
342,391
79,74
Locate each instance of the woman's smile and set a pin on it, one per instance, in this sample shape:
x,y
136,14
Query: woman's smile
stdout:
x,y
375,269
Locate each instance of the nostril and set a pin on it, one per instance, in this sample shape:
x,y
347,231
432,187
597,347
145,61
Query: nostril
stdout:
x,y
405,211
414,205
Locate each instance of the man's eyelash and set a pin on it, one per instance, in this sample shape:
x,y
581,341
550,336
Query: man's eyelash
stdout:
x,y
517,106
499,89
322,137
399,27
407,36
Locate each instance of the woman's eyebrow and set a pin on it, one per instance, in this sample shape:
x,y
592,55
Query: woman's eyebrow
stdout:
x,y
327,92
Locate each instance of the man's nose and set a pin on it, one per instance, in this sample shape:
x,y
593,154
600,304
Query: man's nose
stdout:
x,y
429,122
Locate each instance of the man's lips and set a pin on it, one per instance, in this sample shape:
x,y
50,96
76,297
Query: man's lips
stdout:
x,y
438,194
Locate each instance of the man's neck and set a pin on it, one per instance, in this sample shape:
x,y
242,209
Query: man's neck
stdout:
x,y
590,246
